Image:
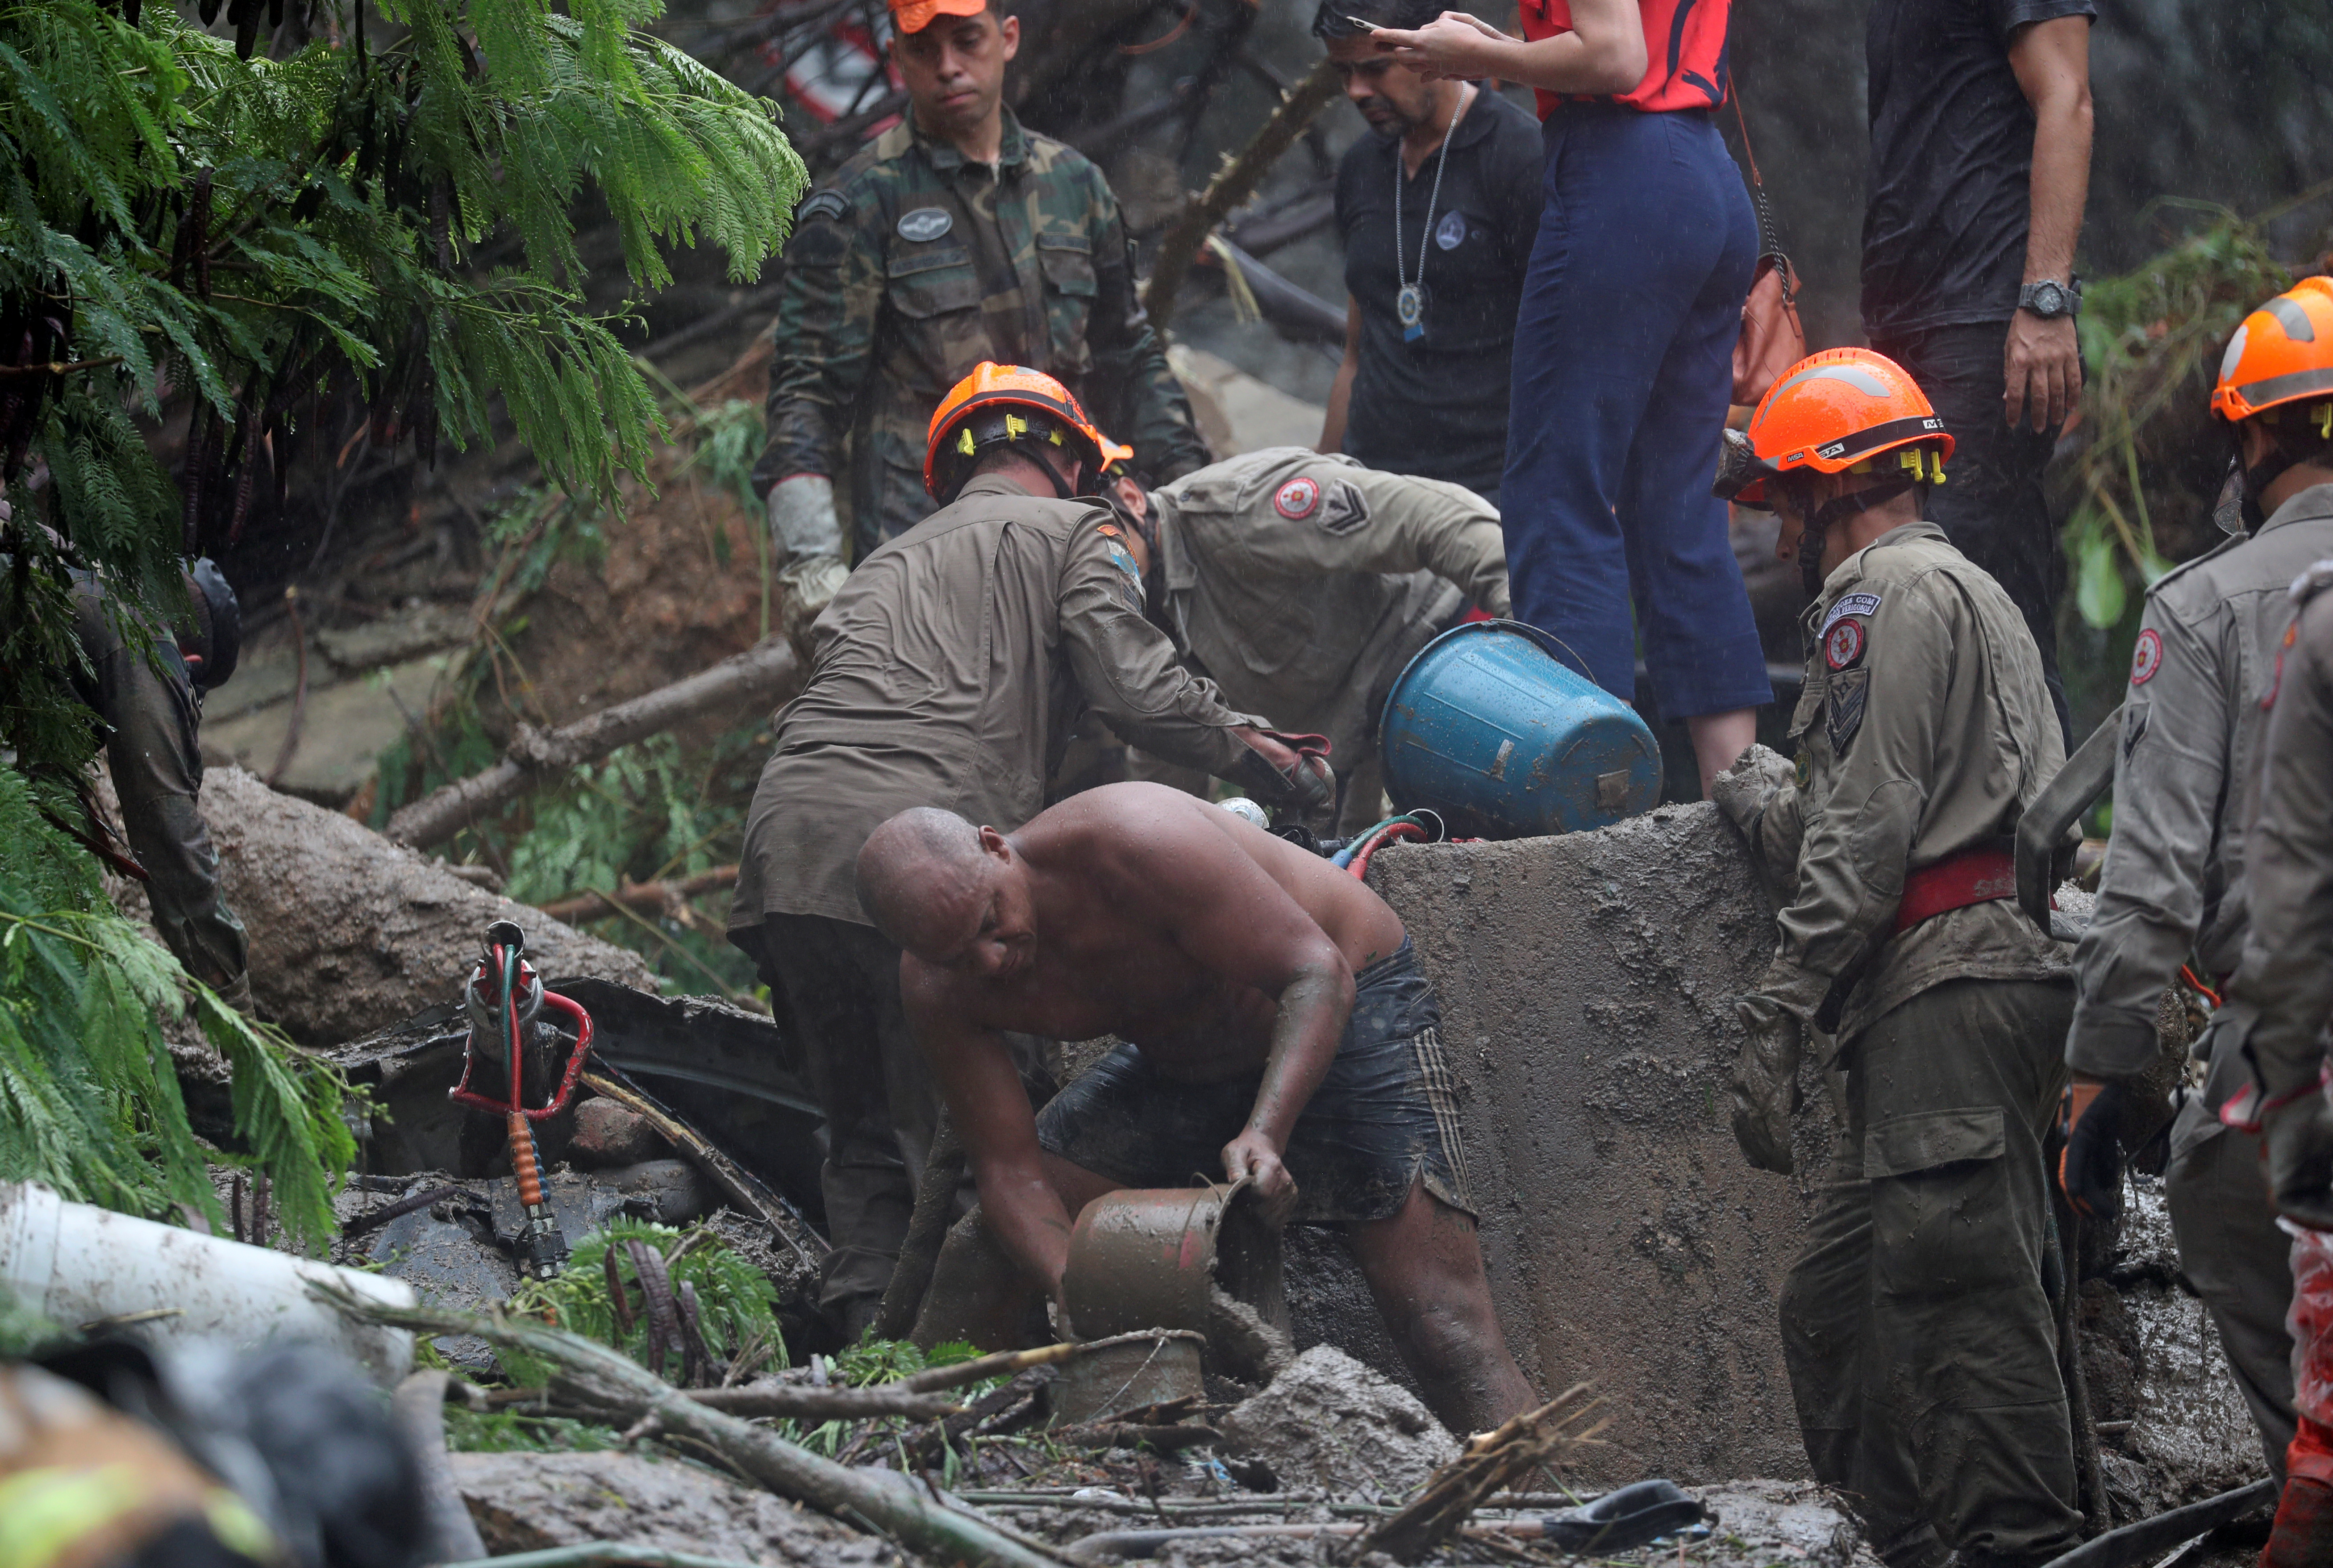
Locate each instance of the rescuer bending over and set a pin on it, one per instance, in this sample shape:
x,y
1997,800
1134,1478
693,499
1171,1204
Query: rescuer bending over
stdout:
x,y
1278,1029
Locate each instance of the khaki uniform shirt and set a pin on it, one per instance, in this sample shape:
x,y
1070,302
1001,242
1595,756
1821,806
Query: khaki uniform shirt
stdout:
x,y
948,672
2191,731
1303,584
1924,730
2287,978
911,266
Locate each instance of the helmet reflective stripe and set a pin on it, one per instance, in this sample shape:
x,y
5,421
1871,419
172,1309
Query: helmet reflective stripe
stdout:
x,y
1855,376
2292,318
2285,388
2235,354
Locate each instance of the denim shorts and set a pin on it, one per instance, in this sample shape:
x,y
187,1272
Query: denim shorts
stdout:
x,y
1385,1117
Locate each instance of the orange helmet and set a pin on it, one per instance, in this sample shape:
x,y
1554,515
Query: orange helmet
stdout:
x,y
1832,413
2282,353
992,406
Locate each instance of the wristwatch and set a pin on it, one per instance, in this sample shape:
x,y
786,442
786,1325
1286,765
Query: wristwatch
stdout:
x,y
2050,298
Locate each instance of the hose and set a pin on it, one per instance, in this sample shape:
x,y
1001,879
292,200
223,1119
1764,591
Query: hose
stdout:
x,y
1393,833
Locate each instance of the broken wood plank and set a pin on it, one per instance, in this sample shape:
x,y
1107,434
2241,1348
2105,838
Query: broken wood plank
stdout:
x,y
758,677
641,897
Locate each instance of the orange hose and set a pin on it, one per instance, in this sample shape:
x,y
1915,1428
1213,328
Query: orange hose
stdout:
x,y
523,1165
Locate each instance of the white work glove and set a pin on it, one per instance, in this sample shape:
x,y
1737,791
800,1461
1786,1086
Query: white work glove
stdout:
x,y
1743,790
806,547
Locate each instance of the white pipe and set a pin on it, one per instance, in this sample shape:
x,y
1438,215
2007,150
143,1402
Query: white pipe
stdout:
x,y
75,1262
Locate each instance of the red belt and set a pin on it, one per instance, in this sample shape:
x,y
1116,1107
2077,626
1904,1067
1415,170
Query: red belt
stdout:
x,y
1977,876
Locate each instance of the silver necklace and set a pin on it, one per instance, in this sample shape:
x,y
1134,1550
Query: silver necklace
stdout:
x,y
1409,304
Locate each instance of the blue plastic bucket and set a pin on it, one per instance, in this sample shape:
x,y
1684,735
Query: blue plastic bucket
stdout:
x,y
1490,729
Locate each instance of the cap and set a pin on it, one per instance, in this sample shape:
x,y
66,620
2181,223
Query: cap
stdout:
x,y
915,15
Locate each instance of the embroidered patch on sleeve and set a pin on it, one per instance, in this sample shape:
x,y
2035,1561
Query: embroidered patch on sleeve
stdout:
x,y
1846,701
1297,499
1850,604
2147,657
826,203
1843,645
1345,508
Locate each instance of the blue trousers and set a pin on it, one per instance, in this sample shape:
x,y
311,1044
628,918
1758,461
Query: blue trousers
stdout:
x,y
1623,369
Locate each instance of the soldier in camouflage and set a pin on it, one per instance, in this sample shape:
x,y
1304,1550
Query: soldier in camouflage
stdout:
x,y
957,236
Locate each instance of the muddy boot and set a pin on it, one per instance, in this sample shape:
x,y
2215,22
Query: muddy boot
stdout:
x,y
2302,1535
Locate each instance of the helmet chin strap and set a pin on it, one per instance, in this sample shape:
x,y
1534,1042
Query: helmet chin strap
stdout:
x,y
1837,509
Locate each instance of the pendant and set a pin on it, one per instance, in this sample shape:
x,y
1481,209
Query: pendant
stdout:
x,y
1410,308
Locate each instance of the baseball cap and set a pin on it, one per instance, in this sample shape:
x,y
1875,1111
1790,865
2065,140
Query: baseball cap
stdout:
x,y
915,15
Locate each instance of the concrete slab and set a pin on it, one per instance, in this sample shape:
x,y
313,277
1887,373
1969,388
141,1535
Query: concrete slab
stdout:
x,y
1238,412
1588,986
346,726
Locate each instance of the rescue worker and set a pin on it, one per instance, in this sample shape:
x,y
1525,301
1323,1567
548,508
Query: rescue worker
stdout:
x,y
2171,890
948,672
955,237
1303,584
2287,982
1920,1342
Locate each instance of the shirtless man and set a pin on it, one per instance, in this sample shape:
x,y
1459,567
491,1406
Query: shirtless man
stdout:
x,y
1280,1030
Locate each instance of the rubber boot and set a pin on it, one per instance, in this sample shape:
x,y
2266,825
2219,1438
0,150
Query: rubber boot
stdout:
x,y
2302,1535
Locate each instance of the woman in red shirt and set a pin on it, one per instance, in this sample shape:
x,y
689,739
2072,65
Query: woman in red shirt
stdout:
x,y
1623,354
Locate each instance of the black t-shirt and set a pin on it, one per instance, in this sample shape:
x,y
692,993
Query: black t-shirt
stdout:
x,y
1438,407
1951,159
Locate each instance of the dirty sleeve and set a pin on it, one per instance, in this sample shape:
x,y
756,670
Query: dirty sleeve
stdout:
x,y
1127,669
1856,846
2287,969
1141,402
825,332
2169,777
1362,520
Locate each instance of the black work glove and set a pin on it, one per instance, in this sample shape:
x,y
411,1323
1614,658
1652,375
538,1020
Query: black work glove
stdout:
x,y
2297,1141
1309,786
2090,1168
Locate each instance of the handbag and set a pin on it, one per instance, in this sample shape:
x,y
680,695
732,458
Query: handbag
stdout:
x,y
1771,339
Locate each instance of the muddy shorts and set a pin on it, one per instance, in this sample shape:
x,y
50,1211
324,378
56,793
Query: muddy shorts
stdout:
x,y
1386,1115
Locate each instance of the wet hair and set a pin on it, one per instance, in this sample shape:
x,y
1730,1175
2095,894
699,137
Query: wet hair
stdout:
x,y
1330,20
912,862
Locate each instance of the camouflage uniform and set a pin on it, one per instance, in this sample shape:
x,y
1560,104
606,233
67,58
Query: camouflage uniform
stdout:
x,y
148,720
911,266
1303,584
1921,1346
2173,887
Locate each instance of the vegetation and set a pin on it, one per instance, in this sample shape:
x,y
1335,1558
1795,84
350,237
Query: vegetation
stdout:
x,y
734,1299
187,224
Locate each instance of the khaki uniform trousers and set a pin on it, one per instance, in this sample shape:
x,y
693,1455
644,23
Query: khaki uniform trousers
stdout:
x,y
1922,1349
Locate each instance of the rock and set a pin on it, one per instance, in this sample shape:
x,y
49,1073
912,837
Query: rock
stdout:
x,y
531,1502
350,933
1331,1423
607,1134
1779,1521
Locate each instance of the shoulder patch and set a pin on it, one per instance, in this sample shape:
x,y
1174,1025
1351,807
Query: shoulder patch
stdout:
x,y
1845,704
1346,509
925,223
2147,657
1850,604
2313,582
827,204
1843,645
1297,499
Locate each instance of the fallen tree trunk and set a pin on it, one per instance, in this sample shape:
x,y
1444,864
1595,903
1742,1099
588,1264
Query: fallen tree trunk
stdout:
x,y
1234,184
911,1515
755,678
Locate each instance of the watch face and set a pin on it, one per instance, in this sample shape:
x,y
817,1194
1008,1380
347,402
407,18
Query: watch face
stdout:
x,y
2048,300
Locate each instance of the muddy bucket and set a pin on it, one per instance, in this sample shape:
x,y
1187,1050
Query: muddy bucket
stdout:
x,y
1490,727
1153,1370
1145,1257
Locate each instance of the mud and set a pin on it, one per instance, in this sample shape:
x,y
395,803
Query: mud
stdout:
x,y
531,1502
1329,1423
350,933
1782,1521
1588,986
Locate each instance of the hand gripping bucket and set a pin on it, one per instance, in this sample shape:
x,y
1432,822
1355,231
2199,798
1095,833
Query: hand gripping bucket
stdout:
x,y
1489,728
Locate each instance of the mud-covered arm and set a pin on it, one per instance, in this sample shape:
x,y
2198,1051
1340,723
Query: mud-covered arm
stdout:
x,y
1759,794
990,1111
2287,969
1367,521
1853,853
825,337
1127,670
1136,393
2169,782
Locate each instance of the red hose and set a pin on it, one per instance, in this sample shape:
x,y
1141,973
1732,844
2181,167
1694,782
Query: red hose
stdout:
x,y
1388,834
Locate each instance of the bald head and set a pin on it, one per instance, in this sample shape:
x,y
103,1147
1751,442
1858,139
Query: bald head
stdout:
x,y
920,878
